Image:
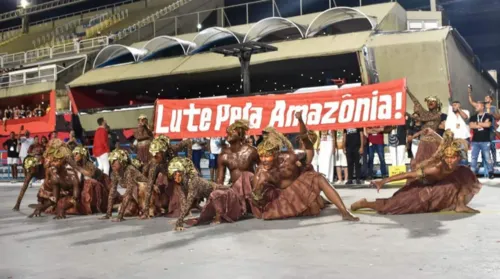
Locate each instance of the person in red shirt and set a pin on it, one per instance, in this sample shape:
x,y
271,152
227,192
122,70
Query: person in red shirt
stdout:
x,y
376,144
101,146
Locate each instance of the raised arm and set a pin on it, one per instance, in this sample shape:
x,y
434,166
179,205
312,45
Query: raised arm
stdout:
x,y
471,101
414,99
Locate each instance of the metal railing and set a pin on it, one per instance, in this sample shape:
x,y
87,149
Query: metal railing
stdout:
x,y
29,76
150,19
103,7
35,55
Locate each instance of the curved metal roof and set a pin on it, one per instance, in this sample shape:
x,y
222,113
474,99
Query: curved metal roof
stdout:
x,y
272,25
211,36
336,15
117,54
166,46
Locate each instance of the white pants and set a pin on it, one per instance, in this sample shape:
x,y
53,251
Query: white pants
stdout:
x,y
414,148
399,158
325,158
103,163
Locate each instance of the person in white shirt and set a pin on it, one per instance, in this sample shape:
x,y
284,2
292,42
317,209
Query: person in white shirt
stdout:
x,y
25,142
197,147
457,122
215,150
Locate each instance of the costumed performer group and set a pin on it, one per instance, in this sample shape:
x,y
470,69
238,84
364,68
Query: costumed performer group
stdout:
x,y
272,181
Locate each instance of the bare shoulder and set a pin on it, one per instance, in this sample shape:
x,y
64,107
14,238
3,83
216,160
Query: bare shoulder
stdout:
x,y
250,149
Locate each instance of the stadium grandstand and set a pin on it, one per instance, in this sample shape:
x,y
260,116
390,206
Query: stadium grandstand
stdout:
x,y
116,59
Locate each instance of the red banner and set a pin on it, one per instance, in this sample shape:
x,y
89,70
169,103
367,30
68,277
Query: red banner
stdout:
x,y
381,104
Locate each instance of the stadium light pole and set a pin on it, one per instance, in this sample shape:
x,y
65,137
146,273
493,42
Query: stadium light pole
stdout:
x,y
244,52
25,20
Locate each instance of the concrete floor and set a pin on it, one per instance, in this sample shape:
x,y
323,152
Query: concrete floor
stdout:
x,y
444,245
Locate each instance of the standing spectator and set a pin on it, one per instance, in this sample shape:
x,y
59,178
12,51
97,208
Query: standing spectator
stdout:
x,y
397,143
494,115
11,145
442,124
414,136
376,144
340,157
481,123
197,147
457,123
101,145
215,150
325,155
22,112
353,148
25,141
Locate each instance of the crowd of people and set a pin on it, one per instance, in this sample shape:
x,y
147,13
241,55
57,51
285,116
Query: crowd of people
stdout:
x,y
22,111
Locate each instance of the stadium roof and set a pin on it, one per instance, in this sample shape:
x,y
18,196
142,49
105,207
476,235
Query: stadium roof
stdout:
x,y
205,62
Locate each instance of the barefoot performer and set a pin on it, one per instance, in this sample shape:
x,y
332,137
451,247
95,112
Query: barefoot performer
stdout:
x,y
65,188
286,186
195,187
437,184
169,197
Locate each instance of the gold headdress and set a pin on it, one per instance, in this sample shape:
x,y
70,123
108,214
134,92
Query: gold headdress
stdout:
x,y
142,116
280,137
30,162
239,124
273,143
434,99
119,155
180,164
57,149
165,139
157,146
449,147
136,163
81,150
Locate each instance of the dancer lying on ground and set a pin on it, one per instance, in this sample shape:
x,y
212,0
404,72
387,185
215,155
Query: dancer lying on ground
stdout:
x,y
438,183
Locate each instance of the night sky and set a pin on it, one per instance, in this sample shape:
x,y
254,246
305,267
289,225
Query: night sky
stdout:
x,y
477,20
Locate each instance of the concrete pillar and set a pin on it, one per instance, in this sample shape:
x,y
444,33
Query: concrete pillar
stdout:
x,y
146,3
220,17
25,24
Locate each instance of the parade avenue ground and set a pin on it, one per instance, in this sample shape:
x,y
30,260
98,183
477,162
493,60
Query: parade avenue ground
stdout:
x,y
440,245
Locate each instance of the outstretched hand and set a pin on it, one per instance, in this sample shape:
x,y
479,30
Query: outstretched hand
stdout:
x,y
298,115
378,184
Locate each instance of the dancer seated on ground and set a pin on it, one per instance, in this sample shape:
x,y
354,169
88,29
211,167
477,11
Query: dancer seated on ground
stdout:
x,y
194,187
438,183
135,183
65,188
285,186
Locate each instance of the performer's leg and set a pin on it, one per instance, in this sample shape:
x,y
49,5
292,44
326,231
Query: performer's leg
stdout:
x,y
27,180
334,197
363,203
462,207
